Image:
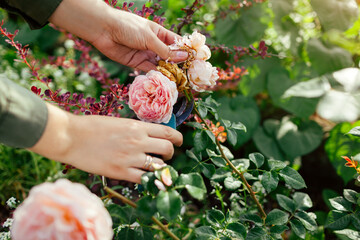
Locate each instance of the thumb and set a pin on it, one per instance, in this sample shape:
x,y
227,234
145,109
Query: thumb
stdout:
x,y
161,49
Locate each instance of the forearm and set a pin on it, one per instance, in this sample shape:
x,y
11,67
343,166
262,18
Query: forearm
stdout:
x,y
87,19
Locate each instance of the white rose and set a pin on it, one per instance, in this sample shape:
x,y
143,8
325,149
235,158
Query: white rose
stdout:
x,y
203,53
202,75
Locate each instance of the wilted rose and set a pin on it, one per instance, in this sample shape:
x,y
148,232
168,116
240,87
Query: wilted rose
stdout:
x,y
202,75
59,211
152,97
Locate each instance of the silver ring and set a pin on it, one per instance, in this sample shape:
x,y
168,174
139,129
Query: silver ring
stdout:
x,y
148,161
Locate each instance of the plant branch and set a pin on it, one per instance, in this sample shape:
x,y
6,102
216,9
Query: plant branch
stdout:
x,y
240,174
133,204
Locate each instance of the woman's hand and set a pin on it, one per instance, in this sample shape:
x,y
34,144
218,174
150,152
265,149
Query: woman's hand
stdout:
x,y
113,147
122,36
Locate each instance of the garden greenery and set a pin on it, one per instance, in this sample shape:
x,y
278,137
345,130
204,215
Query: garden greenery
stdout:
x,y
288,89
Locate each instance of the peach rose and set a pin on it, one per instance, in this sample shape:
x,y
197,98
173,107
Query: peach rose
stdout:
x,y
203,53
202,75
59,211
152,97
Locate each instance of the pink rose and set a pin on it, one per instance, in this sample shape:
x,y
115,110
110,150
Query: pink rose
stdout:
x,y
152,97
61,211
197,40
202,75
203,53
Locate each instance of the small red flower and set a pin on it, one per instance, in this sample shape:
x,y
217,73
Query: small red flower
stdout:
x,y
350,162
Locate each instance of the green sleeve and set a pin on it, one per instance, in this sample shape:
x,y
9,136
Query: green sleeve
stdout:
x,y
35,12
23,115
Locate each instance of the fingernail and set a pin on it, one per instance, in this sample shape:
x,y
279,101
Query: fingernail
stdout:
x,y
181,54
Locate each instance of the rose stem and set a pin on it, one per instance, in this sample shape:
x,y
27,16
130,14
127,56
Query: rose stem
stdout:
x,y
132,204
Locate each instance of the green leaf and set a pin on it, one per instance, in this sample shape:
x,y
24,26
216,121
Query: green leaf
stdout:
x,y
298,228
240,109
207,169
270,181
336,14
194,184
278,82
192,155
241,164
147,181
195,125
267,144
143,233
277,230
337,220
257,233
276,217
126,234
293,178
351,195
286,203
218,161
122,214
146,207
231,136
227,152
201,141
257,158
202,110
339,144
355,131
169,204
327,58
252,218
205,233
174,174
297,138
238,126
341,204
237,230
302,201
215,217
220,174
232,183
355,219
243,30
349,233
211,136
328,194
308,220
276,164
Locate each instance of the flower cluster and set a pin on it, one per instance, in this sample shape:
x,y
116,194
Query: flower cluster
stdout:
x,y
152,96
63,210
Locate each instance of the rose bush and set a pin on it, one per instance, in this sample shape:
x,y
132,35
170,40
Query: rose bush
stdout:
x,y
62,211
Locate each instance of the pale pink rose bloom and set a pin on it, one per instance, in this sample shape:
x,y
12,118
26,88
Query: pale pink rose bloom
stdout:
x,y
61,211
152,97
202,75
203,53
197,40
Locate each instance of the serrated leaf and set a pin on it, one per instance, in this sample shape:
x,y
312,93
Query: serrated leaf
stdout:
x,y
337,220
298,228
302,201
205,233
276,217
355,219
237,230
350,195
307,220
292,177
257,158
232,183
355,131
194,184
270,181
286,203
215,217
252,218
169,204
341,204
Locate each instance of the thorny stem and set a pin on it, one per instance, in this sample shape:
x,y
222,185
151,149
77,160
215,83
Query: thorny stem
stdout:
x,y
132,204
240,174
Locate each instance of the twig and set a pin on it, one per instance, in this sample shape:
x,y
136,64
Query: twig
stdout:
x,y
132,204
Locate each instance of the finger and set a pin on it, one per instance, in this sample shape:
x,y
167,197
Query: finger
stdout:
x,y
151,165
164,132
132,175
160,147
